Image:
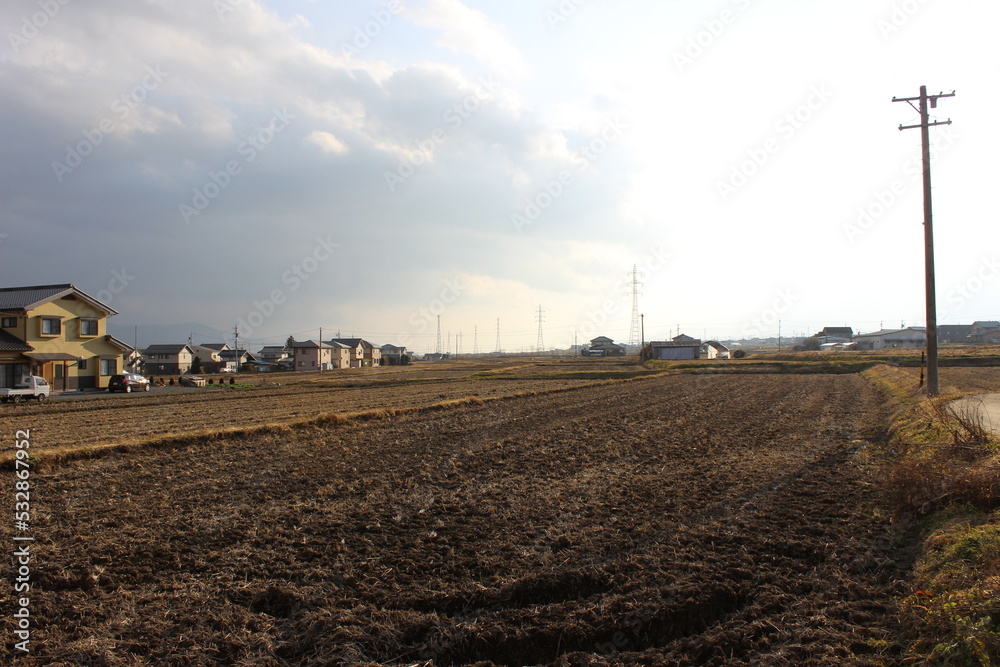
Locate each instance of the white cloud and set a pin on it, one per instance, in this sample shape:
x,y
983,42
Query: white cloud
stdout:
x,y
328,143
467,31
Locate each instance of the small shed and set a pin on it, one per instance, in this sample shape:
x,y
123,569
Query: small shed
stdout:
x,y
681,348
713,349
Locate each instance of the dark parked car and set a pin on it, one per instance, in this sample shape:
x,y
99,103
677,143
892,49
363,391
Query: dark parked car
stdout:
x,y
128,382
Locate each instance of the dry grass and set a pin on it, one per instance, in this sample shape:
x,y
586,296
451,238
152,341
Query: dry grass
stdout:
x,y
956,605
942,464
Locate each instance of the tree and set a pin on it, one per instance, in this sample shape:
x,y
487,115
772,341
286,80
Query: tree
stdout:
x,y
811,344
290,342
196,366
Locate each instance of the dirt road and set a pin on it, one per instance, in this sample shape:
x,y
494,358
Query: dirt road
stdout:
x,y
986,405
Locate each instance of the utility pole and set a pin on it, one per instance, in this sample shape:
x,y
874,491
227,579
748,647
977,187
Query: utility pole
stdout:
x,y
928,101
236,332
320,353
642,326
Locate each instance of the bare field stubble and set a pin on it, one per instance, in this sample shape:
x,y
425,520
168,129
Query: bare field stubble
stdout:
x,y
673,520
106,420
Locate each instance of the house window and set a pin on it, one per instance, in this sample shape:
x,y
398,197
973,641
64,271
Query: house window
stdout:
x,y
88,327
109,367
51,327
8,322
82,364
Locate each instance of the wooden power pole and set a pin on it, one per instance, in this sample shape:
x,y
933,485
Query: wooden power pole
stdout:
x,y
926,102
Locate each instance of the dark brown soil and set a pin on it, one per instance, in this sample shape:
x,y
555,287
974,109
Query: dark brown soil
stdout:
x,y
716,520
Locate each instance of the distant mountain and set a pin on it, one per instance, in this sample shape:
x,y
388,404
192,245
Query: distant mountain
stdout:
x,y
156,334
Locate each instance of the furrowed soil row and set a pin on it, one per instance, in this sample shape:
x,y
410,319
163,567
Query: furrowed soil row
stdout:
x,y
678,520
109,420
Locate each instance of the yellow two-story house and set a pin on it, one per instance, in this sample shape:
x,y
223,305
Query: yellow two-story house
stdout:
x,y
60,333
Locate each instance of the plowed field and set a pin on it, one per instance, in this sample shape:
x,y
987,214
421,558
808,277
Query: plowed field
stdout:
x,y
722,520
129,418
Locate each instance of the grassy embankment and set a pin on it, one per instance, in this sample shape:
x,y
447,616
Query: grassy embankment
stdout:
x,y
943,470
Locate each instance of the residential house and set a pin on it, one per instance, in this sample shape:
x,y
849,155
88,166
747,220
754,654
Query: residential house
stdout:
x,y
987,337
234,360
985,333
275,354
169,359
362,353
57,332
910,337
682,347
312,355
979,328
602,346
954,333
209,356
394,355
131,357
835,335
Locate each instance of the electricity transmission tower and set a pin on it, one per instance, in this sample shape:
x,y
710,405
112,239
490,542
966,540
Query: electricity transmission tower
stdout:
x,y
437,350
924,101
499,350
475,339
633,333
541,318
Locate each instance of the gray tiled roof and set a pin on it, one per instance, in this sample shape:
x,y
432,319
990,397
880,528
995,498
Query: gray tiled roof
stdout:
x,y
165,349
11,343
351,342
311,344
26,298
19,298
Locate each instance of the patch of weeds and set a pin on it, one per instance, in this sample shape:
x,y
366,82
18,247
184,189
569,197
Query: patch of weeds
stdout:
x,y
234,386
955,611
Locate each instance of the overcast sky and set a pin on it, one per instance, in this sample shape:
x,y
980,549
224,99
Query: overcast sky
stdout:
x,y
365,166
